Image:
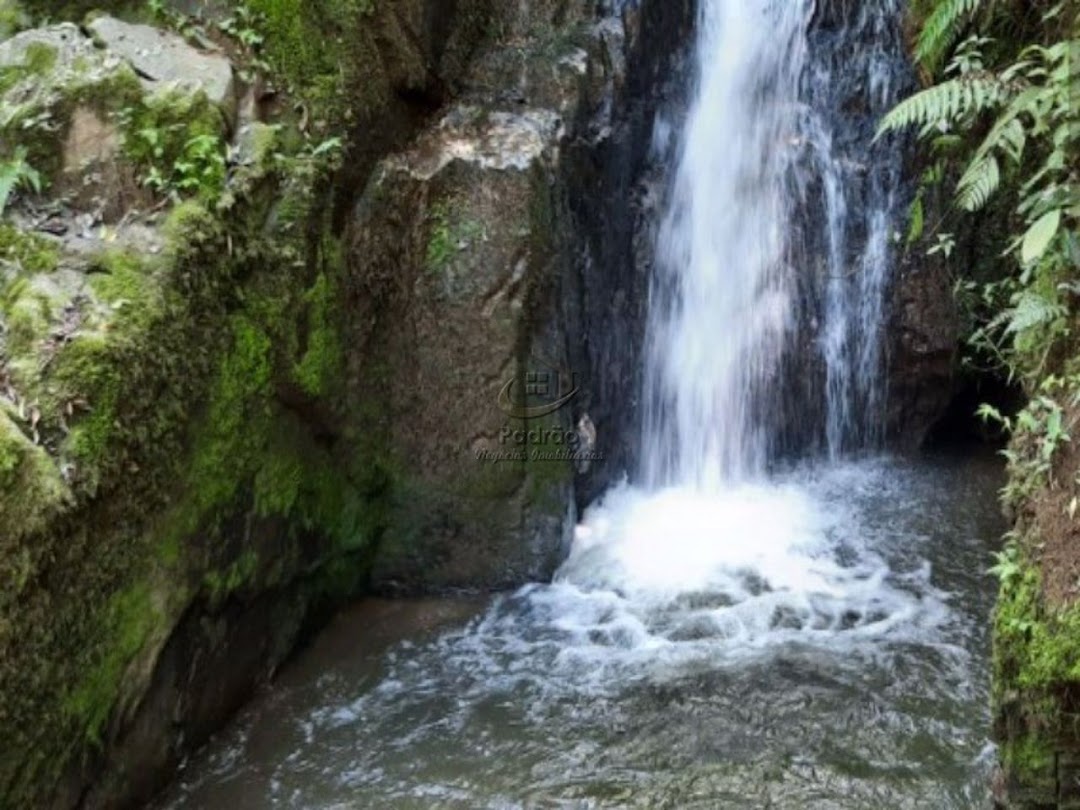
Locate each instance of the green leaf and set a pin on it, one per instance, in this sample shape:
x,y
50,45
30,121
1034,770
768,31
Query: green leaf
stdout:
x,y
942,27
1039,236
947,102
978,184
918,219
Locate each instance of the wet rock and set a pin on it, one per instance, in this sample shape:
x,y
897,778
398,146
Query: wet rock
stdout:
x,y
498,141
165,62
32,490
924,334
467,213
184,384
468,255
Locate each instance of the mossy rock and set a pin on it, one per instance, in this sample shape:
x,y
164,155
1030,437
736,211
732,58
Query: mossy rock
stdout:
x,y
1036,682
46,75
32,489
200,412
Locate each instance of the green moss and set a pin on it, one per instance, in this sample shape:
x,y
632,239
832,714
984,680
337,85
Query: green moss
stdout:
x,y
1031,759
1036,648
40,58
94,368
131,286
448,235
41,122
130,618
1036,670
88,369
441,246
278,483
222,584
26,318
29,253
207,377
236,421
308,43
12,18
320,367
177,141
25,311
32,490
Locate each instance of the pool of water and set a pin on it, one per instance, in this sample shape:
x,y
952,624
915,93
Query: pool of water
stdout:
x,y
820,640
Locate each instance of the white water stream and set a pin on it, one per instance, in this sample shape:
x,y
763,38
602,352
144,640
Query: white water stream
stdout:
x,y
722,635
707,517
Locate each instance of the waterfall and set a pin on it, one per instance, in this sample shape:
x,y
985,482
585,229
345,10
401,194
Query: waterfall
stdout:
x,y
726,631
764,341
738,303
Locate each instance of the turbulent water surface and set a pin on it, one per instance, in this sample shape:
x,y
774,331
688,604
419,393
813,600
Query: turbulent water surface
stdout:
x,y
722,635
819,641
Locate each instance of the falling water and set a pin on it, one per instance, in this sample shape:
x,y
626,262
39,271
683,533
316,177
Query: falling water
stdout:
x,y
721,304
726,632
735,294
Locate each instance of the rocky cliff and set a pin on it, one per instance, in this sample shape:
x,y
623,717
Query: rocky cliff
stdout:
x,y
300,301
293,306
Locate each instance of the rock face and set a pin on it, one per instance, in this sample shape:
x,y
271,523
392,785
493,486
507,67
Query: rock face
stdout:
x,y
612,200
924,335
165,62
241,380
57,98
452,275
257,357
182,490
501,336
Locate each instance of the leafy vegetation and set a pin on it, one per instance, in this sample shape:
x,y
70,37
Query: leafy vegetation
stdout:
x,y
176,140
1000,121
450,234
16,174
1003,120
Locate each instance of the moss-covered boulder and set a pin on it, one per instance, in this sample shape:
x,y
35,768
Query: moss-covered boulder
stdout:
x,y
249,378
101,125
166,62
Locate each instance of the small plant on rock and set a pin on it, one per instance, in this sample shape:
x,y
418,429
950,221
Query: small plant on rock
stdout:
x,y
16,174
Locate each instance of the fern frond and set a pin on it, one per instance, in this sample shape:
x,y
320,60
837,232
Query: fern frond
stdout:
x,y
942,28
1008,133
946,102
978,184
1031,310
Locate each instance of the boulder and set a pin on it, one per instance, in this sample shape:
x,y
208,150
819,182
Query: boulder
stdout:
x,y
164,61
58,47
58,97
457,315
98,122
923,350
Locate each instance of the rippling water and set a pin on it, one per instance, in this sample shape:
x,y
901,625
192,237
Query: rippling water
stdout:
x,y
818,641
